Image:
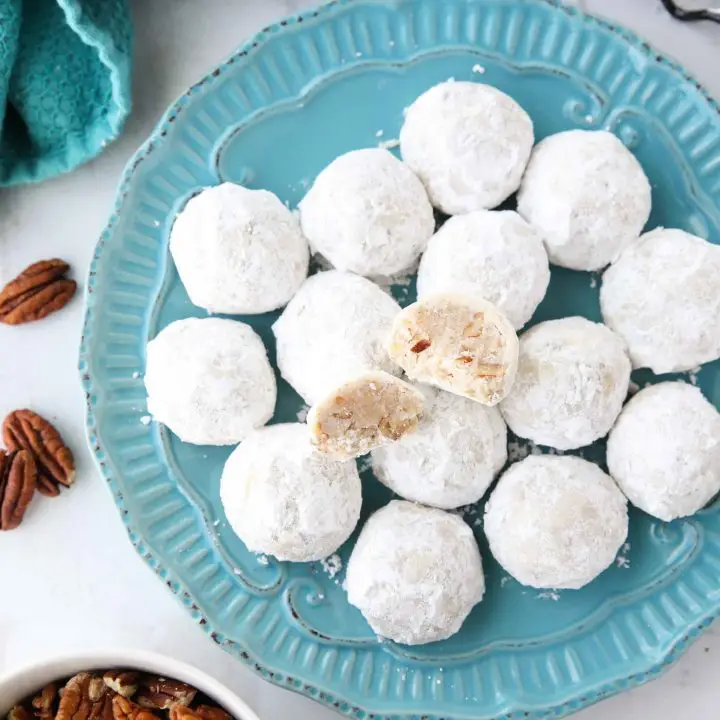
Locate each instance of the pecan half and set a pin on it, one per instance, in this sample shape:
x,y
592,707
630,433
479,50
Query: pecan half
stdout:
x,y
45,703
26,430
36,292
18,479
85,697
201,712
126,709
159,693
123,682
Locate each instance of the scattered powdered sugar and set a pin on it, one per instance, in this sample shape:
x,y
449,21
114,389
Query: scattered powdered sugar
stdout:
x,y
332,565
477,68
135,375
399,284
505,580
146,420
365,463
302,413
389,144
548,595
693,375
379,133
593,281
262,560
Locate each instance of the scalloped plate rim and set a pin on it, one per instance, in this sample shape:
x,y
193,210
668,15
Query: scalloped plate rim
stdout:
x,y
572,703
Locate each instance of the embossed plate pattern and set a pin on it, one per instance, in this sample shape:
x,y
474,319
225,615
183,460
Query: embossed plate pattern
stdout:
x,y
297,95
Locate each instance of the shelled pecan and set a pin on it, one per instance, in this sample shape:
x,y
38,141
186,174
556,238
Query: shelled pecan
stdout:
x,y
126,709
26,430
36,292
45,703
159,693
85,697
201,712
118,694
18,480
123,682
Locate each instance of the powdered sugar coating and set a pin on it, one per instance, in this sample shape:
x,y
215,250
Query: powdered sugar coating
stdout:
x,y
664,450
573,376
494,255
367,213
555,522
335,328
415,573
209,380
663,297
239,251
469,143
588,196
460,343
451,458
283,498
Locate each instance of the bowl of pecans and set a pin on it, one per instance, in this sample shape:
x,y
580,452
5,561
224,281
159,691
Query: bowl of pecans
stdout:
x,y
117,686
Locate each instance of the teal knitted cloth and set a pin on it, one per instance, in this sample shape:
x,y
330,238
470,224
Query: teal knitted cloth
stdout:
x,y
64,83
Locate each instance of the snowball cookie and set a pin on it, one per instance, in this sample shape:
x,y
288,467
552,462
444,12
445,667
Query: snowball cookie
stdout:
x,y
239,251
588,196
364,413
284,498
663,297
415,573
366,212
573,376
469,144
209,380
334,329
494,255
452,457
459,343
664,451
555,522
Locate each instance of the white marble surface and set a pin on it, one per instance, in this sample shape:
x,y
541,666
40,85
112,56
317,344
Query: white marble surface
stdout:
x,y
70,579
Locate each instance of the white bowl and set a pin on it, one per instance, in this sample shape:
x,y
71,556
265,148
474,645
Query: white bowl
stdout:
x,y
24,682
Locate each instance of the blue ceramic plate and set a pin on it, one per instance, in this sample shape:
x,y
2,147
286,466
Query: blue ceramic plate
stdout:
x,y
288,102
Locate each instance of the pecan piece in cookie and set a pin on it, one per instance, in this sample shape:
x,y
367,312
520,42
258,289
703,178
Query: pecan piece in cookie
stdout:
x,y
38,291
26,430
